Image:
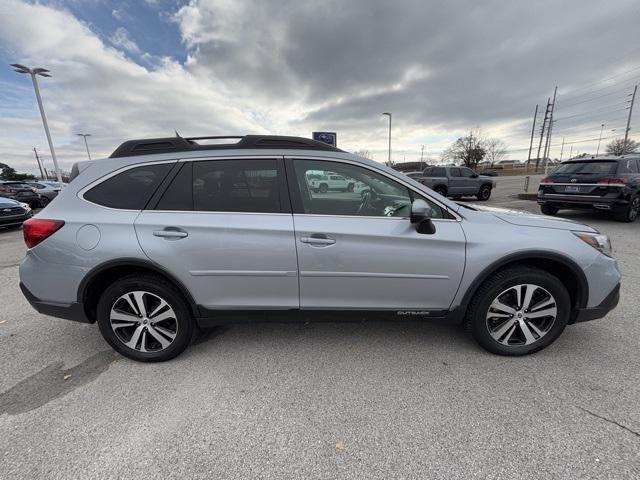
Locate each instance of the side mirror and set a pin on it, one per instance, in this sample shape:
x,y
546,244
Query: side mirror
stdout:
x,y
421,215
475,175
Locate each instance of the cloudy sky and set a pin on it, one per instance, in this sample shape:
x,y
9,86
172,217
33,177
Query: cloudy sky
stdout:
x,y
127,69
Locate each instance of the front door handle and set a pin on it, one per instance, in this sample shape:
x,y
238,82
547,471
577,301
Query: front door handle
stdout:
x,y
318,239
170,233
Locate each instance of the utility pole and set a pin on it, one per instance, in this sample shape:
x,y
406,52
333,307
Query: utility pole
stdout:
x,y
547,148
570,152
533,129
39,163
562,149
544,124
421,156
626,132
389,158
599,139
86,144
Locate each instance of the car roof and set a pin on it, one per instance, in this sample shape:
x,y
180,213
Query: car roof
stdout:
x,y
605,158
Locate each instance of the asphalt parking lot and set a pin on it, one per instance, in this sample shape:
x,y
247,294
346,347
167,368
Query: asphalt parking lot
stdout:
x,y
375,399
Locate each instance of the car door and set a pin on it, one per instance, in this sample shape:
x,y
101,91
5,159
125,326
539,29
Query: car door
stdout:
x,y
224,227
360,251
456,182
470,181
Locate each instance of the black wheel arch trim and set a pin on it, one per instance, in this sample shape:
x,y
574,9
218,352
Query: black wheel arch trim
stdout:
x,y
458,313
139,263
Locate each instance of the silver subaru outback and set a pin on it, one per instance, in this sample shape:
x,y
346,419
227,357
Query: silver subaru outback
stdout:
x,y
170,235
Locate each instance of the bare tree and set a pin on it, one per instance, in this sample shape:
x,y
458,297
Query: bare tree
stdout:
x,y
496,150
364,153
617,147
469,150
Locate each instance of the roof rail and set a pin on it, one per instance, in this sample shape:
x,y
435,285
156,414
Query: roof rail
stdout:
x,y
150,146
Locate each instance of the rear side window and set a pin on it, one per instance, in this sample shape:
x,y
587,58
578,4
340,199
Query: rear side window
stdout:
x,y
250,186
129,190
438,172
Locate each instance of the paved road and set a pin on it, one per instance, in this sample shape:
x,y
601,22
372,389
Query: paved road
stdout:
x,y
404,400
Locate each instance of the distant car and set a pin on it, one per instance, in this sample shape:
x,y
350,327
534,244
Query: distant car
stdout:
x,y
45,189
330,181
457,182
22,192
13,213
601,183
489,173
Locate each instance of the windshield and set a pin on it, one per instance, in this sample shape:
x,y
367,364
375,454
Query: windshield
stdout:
x,y
588,168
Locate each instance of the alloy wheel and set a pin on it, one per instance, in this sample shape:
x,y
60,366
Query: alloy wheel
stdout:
x,y
521,315
635,208
143,321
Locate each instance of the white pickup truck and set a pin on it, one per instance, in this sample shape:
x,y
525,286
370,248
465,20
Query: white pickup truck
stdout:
x,y
324,181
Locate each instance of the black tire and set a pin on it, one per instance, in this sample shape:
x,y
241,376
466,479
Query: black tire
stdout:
x,y
478,324
156,286
548,209
350,187
324,188
43,202
484,193
441,190
630,213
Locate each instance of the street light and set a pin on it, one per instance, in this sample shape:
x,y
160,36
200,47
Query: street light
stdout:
x,y
600,139
389,115
85,135
43,72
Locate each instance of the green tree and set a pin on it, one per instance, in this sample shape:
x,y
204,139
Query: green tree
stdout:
x,y
9,173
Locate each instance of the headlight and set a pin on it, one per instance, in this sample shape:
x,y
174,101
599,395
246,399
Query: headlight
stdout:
x,y
597,241
25,206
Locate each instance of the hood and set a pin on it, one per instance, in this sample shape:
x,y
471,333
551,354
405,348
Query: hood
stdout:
x,y
526,219
7,202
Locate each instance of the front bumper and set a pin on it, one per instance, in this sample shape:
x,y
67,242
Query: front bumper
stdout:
x,y
73,311
609,303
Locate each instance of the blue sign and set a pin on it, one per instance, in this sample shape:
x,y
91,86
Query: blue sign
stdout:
x,y
330,138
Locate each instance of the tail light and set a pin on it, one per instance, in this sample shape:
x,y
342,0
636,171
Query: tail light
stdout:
x,y
613,181
35,230
547,180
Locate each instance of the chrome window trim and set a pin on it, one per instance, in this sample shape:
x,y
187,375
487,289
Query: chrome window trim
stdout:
x,y
456,215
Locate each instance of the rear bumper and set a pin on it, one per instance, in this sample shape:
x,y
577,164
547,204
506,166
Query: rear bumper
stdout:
x,y
609,303
583,201
73,311
15,220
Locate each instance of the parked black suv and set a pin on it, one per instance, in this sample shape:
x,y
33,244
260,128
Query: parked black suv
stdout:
x,y
602,183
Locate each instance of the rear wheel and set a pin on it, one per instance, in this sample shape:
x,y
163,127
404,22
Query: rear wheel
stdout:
x,y
630,213
441,190
548,209
323,188
145,318
350,187
484,193
520,310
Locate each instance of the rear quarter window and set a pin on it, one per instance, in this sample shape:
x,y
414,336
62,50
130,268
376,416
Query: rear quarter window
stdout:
x,y
129,190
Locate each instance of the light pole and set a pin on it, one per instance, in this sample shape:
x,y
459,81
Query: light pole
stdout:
x,y
421,156
86,144
43,72
389,115
600,139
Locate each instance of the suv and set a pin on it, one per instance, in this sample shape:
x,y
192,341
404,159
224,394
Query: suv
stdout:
x,y
322,182
168,235
22,192
457,181
602,183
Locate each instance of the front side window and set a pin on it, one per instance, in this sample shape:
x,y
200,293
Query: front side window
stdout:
x,y
131,189
467,172
368,193
455,172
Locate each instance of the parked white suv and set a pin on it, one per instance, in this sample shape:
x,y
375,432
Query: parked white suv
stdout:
x,y
168,235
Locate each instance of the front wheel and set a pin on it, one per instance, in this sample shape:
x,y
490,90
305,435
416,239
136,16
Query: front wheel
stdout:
x,y
441,190
518,311
350,187
145,318
484,193
630,213
324,188
548,209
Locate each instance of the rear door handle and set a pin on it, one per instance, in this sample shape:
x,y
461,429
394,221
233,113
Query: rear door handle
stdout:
x,y
318,239
173,233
